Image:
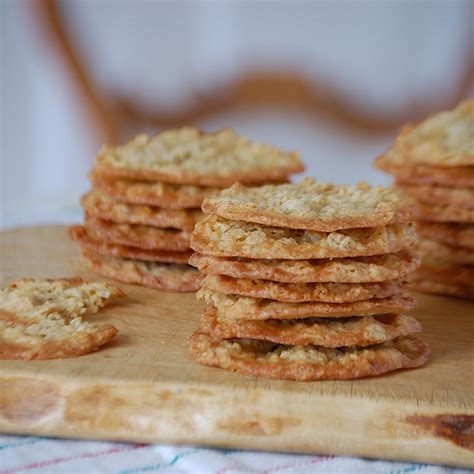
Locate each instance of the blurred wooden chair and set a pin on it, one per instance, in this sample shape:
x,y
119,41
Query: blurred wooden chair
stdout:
x,y
116,116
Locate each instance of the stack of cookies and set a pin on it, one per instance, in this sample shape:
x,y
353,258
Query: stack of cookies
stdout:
x,y
434,163
307,281
146,197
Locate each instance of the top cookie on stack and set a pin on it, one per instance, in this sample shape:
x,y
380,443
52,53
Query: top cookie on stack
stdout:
x,y
434,163
188,156
146,197
300,279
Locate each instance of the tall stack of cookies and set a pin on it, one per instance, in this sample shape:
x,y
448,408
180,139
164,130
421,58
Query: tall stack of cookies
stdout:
x,y
146,197
307,281
434,163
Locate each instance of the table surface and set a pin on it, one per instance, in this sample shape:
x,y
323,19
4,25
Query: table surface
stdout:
x,y
40,454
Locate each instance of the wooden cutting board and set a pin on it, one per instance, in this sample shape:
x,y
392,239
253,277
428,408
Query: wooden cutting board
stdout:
x,y
144,386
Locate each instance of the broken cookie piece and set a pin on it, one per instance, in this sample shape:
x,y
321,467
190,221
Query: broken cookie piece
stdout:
x,y
42,319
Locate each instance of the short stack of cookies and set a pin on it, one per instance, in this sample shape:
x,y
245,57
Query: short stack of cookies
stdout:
x,y
146,197
434,163
307,281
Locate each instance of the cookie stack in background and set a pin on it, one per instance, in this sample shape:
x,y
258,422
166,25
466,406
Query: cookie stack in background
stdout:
x,y
307,281
146,197
434,163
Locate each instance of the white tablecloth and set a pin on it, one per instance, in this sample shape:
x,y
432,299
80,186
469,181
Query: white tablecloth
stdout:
x,y
20,454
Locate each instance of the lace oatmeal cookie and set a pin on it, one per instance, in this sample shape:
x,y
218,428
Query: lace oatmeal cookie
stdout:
x,y
351,331
80,235
339,270
461,176
445,272
434,268
432,213
313,205
135,235
278,361
225,238
42,319
103,207
443,288
161,276
235,307
448,253
189,156
456,235
151,193
441,195
303,292
445,139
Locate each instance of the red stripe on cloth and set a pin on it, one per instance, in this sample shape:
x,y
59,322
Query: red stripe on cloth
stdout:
x,y
59,460
283,467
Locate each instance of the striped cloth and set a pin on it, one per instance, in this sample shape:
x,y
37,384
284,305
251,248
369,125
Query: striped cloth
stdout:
x,y
20,454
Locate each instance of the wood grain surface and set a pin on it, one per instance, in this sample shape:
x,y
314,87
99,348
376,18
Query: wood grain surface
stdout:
x,y
144,386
